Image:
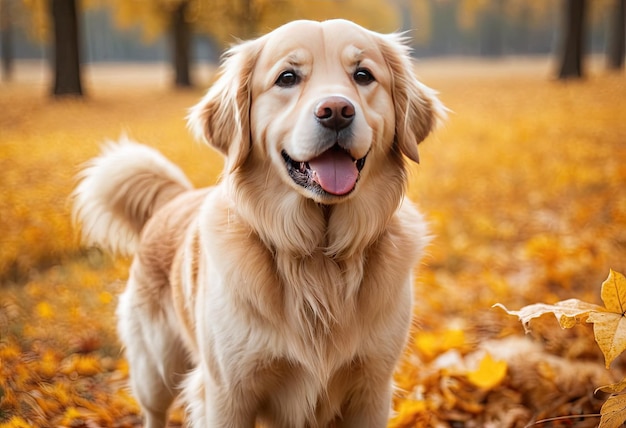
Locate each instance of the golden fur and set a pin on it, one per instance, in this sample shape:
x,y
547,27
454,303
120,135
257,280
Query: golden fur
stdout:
x,y
268,298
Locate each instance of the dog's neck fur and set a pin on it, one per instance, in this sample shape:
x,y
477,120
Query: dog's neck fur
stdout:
x,y
289,223
326,239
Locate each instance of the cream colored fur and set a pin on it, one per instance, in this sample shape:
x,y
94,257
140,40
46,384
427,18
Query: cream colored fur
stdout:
x,y
263,301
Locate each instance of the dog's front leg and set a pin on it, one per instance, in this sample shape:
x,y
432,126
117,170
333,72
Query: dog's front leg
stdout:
x,y
215,407
368,394
368,409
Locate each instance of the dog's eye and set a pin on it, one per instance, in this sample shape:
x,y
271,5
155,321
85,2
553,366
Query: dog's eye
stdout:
x,y
288,79
363,76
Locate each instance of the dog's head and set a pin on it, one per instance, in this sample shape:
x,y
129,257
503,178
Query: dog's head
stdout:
x,y
321,102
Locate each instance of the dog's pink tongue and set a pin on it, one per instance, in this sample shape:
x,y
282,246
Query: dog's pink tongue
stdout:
x,y
335,171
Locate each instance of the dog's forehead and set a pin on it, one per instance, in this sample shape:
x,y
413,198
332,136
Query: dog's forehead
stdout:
x,y
304,41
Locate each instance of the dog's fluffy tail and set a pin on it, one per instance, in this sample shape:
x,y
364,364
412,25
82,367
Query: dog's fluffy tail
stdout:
x,y
120,190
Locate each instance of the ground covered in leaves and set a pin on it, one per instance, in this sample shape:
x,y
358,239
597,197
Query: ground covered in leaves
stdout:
x,y
524,188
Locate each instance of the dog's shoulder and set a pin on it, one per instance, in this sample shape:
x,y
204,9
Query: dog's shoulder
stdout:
x,y
403,241
165,231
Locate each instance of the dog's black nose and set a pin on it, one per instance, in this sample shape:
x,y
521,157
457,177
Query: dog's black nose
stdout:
x,y
335,112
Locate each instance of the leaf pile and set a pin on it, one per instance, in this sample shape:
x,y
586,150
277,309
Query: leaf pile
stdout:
x,y
524,189
609,329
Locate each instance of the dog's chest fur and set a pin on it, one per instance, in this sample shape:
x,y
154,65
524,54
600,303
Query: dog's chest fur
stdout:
x,y
311,297
291,327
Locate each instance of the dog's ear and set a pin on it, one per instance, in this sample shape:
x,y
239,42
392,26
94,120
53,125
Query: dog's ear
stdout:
x,y
417,108
222,117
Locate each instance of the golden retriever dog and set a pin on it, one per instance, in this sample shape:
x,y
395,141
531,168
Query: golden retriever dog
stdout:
x,y
282,295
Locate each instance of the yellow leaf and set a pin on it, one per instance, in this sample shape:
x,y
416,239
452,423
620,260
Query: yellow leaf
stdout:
x,y
71,414
614,292
568,312
47,365
44,310
406,414
609,325
83,365
105,297
426,343
453,339
614,387
15,422
609,330
74,416
613,412
431,344
489,374
9,351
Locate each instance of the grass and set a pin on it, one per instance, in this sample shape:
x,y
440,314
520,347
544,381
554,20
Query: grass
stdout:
x,y
524,188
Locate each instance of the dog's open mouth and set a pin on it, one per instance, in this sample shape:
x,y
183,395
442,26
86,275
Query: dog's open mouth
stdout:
x,y
334,172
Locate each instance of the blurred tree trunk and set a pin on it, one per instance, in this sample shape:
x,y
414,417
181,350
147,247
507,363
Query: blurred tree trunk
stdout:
x,y
67,78
6,34
617,36
444,28
181,39
491,30
574,39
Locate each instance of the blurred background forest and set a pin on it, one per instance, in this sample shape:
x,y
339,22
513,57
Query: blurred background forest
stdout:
x,y
69,33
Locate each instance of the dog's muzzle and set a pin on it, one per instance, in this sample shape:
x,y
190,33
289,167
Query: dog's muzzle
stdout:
x,y
333,172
